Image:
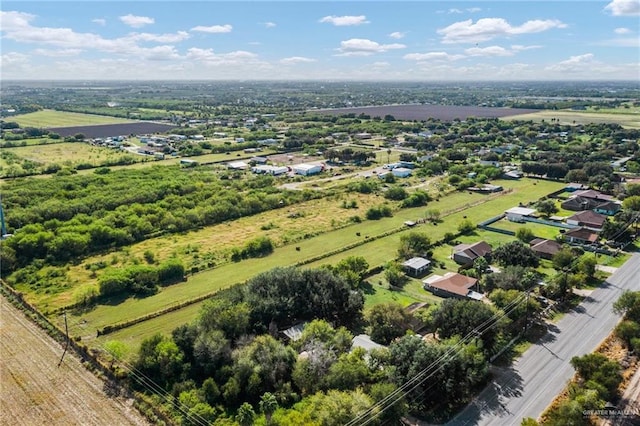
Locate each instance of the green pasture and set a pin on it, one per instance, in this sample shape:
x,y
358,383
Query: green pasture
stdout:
x,y
52,118
625,118
376,252
539,230
133,336
68,153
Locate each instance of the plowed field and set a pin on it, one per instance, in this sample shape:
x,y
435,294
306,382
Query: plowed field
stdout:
x,y
35,391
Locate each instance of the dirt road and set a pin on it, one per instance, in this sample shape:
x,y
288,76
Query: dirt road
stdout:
x,y
35,391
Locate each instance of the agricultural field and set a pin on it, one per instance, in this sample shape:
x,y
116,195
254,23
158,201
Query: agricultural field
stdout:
x,y
109,130
51,118
424,112
36,391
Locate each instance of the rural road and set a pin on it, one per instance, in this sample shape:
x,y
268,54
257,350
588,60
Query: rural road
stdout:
x,y
526,388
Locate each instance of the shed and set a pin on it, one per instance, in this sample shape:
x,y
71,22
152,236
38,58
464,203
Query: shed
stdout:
x,y
238,165
401,172
416,266
518,214
307,169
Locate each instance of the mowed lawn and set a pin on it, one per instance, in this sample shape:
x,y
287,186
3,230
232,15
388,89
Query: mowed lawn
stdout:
x,y
69,153
52,118
376,252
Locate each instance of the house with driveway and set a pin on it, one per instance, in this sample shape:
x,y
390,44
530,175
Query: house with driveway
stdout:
x,y
452,284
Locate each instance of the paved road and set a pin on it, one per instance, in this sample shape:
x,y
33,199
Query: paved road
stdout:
x,y
530,385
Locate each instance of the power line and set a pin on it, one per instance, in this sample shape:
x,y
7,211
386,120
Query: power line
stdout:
x,y
422,376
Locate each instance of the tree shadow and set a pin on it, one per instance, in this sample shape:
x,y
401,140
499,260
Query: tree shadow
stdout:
x,y
367,288
114,300
506,384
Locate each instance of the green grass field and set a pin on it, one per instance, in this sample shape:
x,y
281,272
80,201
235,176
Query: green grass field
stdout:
x,y
376,252
626,118
51,118
69,153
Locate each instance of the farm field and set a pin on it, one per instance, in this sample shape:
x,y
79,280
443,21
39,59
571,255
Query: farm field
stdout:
x,y
625,119
108,130
423,112
376,252
36,391
51,118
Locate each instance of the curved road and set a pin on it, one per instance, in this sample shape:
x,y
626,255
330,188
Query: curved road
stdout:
x,y
528,387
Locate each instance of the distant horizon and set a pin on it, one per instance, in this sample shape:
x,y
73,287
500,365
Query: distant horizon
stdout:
x,y
448,41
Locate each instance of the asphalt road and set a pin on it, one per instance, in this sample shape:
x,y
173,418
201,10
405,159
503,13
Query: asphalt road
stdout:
x,y
528,387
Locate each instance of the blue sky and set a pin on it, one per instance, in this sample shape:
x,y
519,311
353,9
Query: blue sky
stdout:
x,y
321,40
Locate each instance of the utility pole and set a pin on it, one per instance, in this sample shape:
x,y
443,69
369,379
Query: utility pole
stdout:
x,y
66,331
526,313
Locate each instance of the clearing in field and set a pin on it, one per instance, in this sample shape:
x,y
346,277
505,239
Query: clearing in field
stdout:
x,y
52,118
71,154
35,391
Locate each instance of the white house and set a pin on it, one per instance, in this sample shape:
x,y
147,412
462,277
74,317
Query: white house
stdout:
x,y
307,169
517,214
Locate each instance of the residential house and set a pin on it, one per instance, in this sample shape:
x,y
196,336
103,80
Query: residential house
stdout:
x,y
452,284
416,266
592,194
238,165
588,219
545,248
577,203
365,342
608,208
581,236
466,254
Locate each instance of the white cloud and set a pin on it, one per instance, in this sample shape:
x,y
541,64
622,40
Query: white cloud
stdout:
x,y
136,21
214,29
397,35
432,56
489,51
269,24
622,42
364,47
60,53
296,60
342,21
574,63
489,28
159,53
622,31
12,21
624,7
99,21
381,64
208,56
12,59
159,38
455,10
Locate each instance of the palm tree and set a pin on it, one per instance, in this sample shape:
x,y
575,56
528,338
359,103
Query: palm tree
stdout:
x,y
268,404
245,414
